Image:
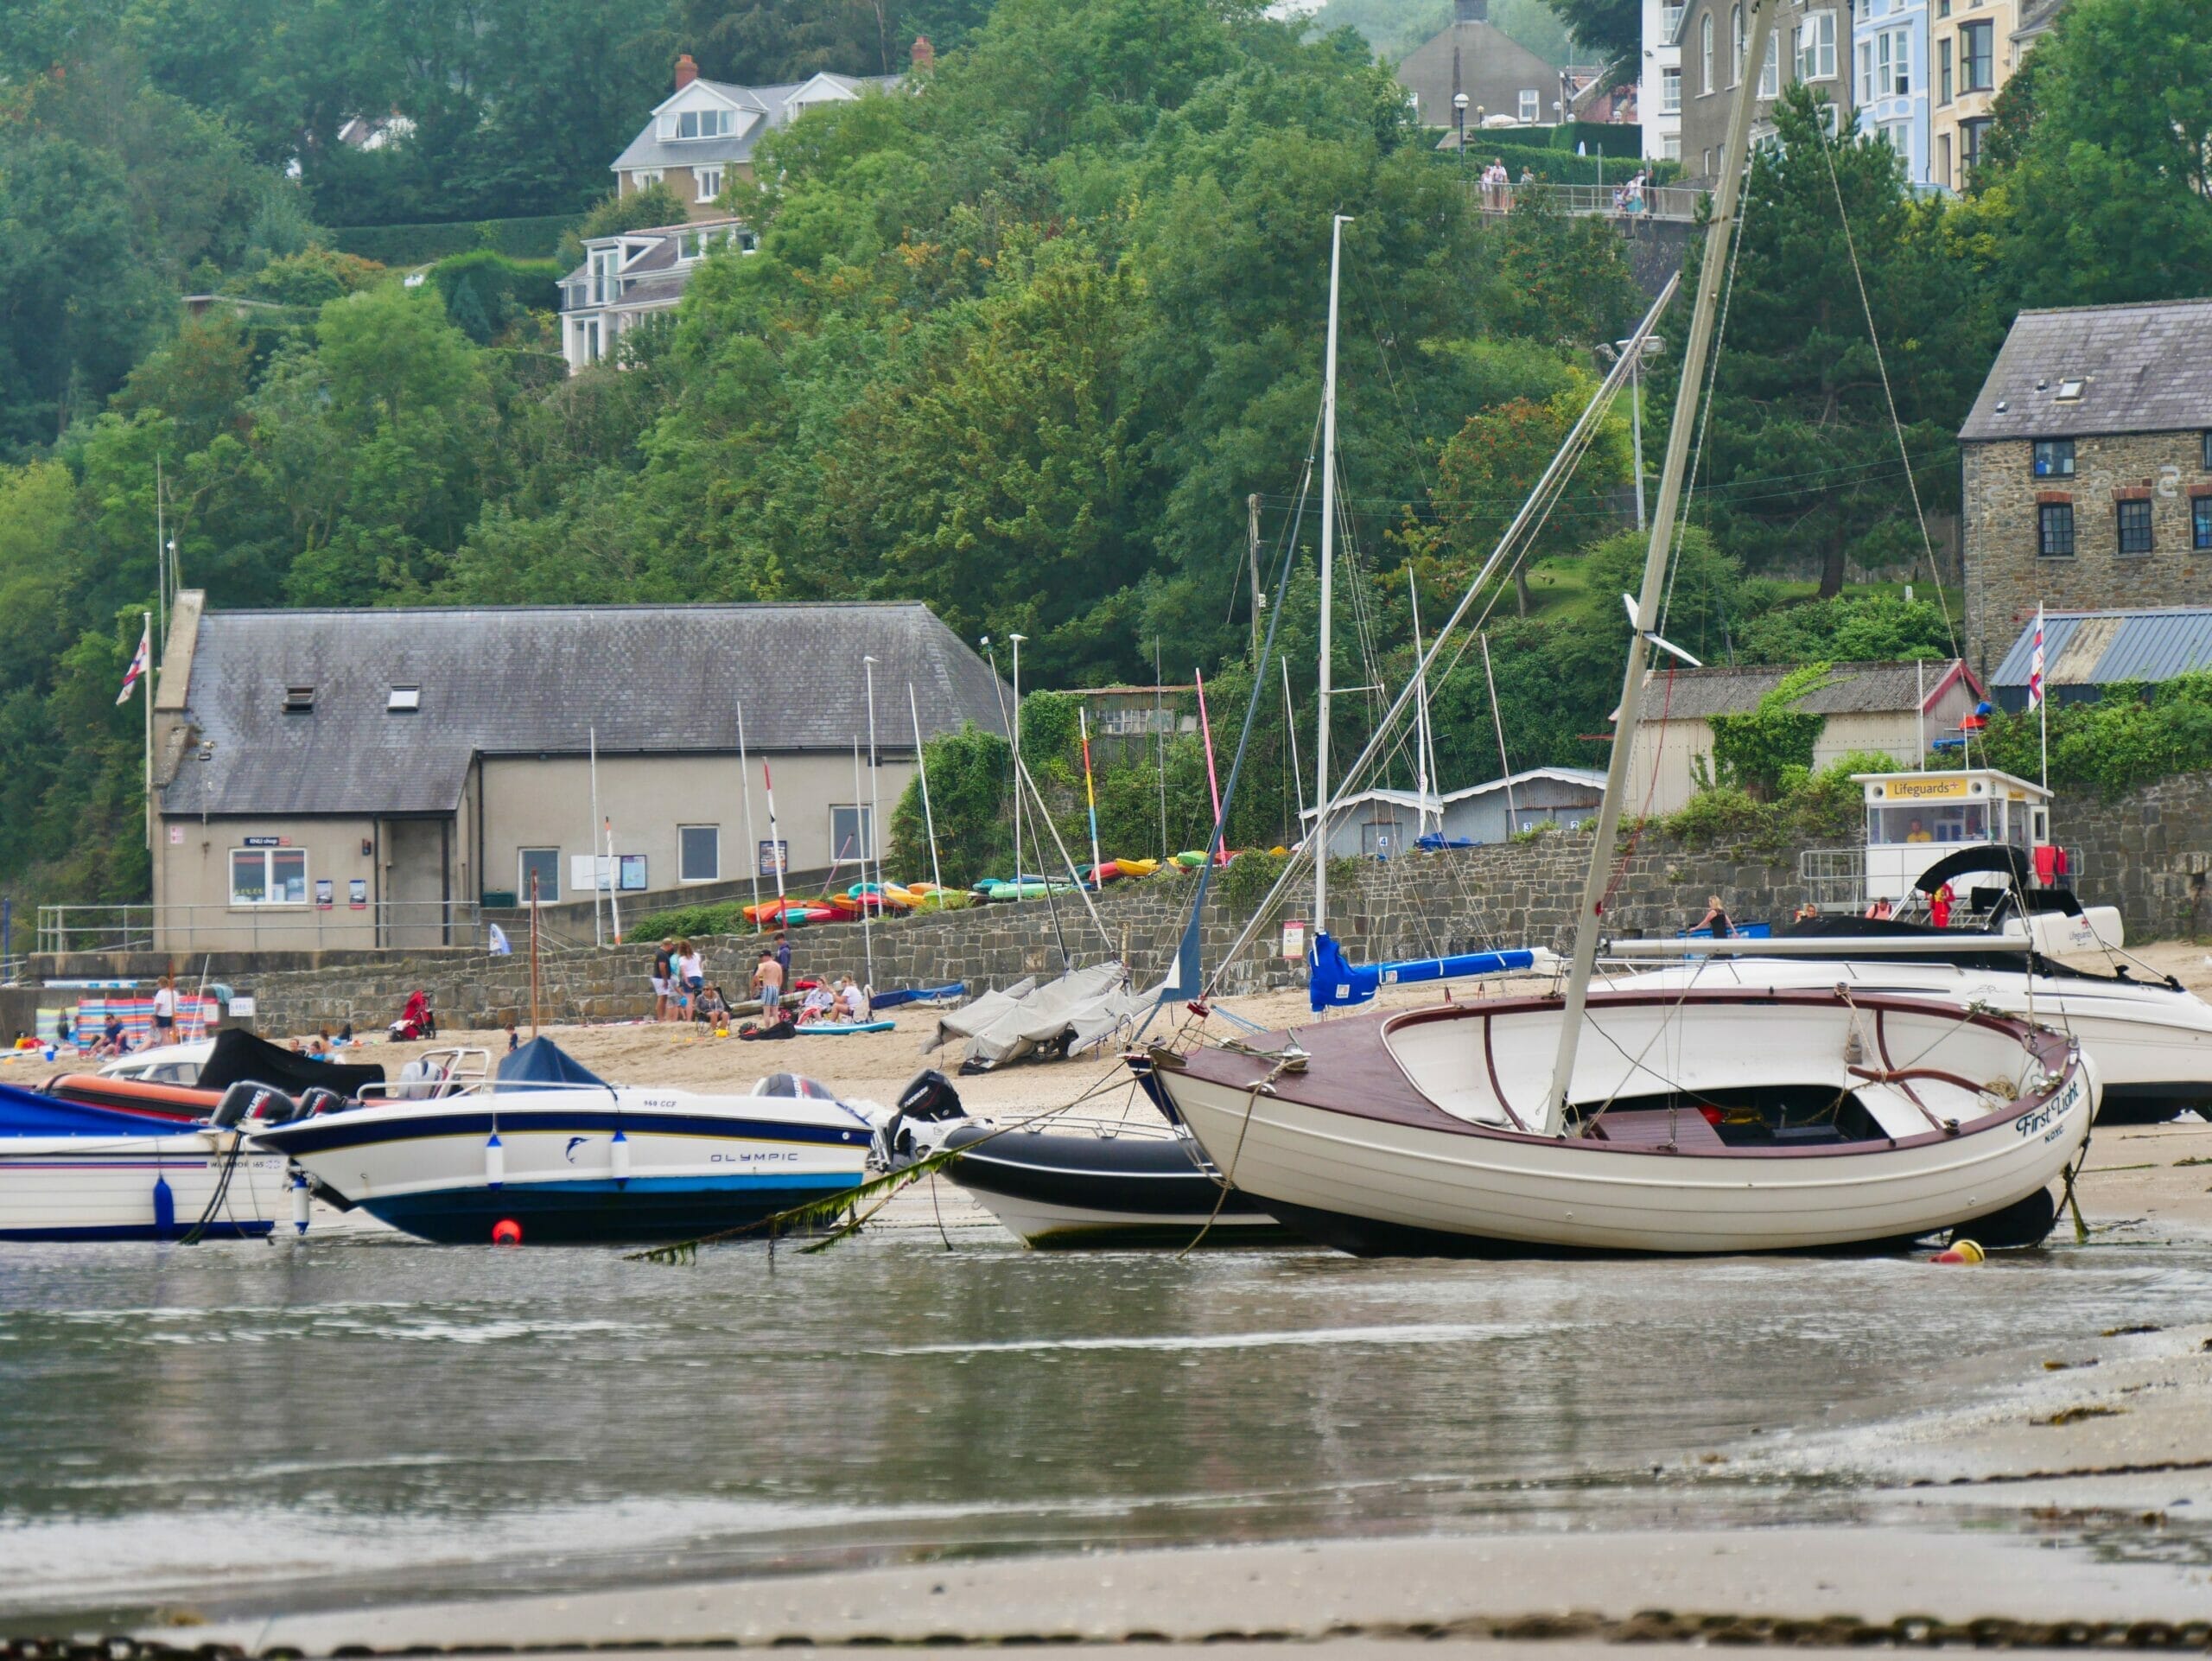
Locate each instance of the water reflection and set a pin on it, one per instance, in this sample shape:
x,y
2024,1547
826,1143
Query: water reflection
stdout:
x,y
350,1419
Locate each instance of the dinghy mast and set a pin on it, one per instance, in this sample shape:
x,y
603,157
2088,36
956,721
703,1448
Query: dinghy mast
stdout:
x,y
1589,916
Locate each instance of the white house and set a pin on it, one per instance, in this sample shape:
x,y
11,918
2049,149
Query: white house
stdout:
x,y
634,275
1659,82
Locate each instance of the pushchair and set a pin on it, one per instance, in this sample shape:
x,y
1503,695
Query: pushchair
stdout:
x,y
417,1021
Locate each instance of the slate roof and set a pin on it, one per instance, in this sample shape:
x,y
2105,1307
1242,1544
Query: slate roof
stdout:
x,y
532,679
1851,689
648,149
2097,648
2144,369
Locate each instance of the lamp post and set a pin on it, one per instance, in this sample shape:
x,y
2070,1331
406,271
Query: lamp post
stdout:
x,y
1459,125
1653,346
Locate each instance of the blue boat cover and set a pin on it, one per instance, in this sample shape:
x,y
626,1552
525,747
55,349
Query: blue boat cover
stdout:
x,y
26,1113
542,1061
1336,982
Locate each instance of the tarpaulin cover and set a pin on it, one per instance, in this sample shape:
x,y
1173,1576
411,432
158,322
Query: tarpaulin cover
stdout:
x,y
239,1055
1077,1012
542,1061
23,1113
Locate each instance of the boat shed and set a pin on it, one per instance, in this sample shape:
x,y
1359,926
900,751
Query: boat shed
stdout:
x,y
357,779
1873,708
1380,823
2085,651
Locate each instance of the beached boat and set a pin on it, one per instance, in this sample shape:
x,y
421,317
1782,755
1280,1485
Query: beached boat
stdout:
x,y
70,1171
572,1159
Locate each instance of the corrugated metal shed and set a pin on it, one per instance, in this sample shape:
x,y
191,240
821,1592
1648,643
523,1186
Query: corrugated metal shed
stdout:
x,y
2086,650
537,680
2135,369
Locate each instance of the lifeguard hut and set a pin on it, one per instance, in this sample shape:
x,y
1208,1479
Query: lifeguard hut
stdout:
x,y
1913,819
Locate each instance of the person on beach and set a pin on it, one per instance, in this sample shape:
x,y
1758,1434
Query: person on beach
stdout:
x,y
1939,906
663,971
784,955
165,1010
821,1005
1715,918
768,981
111,1041
691,971
852,1003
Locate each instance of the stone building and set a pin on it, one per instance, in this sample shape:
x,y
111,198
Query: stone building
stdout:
x,y
2087,468
1811,42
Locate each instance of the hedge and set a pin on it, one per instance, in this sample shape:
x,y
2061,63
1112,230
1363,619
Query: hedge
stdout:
x,y
536,238
1552,166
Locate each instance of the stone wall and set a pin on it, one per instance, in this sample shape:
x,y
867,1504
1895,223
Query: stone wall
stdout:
x,y
2006,576
2150,853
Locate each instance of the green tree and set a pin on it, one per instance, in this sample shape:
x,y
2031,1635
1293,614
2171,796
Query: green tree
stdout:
x,y
969,774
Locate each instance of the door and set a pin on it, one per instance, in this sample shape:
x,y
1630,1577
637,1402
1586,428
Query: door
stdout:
x,y
414,887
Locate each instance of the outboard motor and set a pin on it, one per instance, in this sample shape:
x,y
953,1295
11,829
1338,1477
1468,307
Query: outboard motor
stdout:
x,y
319,1099
929,1099
244,1100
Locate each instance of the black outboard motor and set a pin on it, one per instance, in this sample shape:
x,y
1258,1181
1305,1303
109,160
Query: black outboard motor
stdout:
x,y
319,1100
245,1099
929,1099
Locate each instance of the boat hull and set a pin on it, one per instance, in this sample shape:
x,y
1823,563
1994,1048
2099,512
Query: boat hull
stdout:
x,y
684,1165
86,1188
1328,1146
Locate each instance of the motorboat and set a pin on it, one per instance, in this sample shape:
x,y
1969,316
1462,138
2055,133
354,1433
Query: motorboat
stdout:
x,y
72,1171
1697,1121
186,1081
452,1149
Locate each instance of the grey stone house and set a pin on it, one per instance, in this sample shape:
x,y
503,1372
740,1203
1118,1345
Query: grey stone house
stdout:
x,y
1504,82
1811,42
2087,468
363,777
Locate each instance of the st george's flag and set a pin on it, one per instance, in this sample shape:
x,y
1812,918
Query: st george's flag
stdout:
x,y
2035,665
137,669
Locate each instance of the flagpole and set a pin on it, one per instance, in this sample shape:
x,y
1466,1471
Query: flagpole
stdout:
x,y
752,843
146,648
598,906
2043,699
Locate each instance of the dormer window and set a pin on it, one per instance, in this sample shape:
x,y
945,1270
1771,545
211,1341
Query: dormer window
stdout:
x,y
299,700
701,124
403,700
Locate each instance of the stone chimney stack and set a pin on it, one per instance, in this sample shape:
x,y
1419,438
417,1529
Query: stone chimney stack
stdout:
x,y
924,56
1471,11
687,71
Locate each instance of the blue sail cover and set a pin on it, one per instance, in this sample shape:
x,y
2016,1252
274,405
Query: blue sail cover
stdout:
x,y
542,1061
27,1113
1338,983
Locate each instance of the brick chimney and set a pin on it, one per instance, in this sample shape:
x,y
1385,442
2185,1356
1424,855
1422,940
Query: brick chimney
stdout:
x,y
924,56
686,72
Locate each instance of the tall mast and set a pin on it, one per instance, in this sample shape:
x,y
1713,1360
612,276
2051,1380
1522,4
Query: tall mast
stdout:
x,y
1589,916
1337,223
1421,771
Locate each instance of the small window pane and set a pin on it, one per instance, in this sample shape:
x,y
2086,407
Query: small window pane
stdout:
x,y
849,834
249,877
2135,527
2057,529
2201,522
699,849
2054,458
543,863
288,876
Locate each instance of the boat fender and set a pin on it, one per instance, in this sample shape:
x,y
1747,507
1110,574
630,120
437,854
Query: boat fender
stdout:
x,y
618,1156
299,1203
506,1232
1961,1252
495,1163
164,1209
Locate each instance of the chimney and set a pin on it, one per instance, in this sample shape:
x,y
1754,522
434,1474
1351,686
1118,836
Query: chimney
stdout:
x,y
924,56
1471,11
687,71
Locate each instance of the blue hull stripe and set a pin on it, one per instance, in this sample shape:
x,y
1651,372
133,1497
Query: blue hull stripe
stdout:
x,y
597,1212
139,1231
321,1137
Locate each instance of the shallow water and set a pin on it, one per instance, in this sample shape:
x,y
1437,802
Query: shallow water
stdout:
x,y
223,1427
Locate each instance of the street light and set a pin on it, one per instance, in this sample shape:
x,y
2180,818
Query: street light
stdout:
x,y
1459,125
1653,346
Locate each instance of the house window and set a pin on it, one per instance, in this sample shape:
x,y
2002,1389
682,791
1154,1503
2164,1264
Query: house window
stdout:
x,y
1898,135
1670,92
2054,458
1531,106
1670,150
1977,65
1770,75
702,123
2134,527
2055,530
1705,52
2200,523
1942,158
644,176
710,182
849,834
1970,134
403,700
1670,21
588,340
545,864
2207,442
269,876
1736,45
698,853
1890,74
1816,47
602,276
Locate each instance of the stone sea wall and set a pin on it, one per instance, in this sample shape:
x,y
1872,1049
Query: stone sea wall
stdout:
x,y
2149,854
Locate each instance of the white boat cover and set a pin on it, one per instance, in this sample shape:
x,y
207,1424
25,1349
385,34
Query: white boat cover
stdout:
x,y
1079,1011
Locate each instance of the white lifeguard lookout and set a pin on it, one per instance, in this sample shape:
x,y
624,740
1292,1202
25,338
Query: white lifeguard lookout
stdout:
x,y
1913,819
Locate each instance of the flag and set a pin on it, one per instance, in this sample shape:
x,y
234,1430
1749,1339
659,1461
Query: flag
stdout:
x,y
137,669
2035,665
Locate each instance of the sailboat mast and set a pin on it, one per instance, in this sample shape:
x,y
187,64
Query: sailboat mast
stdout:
x,y
1589,916
1337,223
1420,718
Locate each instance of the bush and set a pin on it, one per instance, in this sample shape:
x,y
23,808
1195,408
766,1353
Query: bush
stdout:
x,y
485,292
2132,736
538,237
313,278
683,921
1552,166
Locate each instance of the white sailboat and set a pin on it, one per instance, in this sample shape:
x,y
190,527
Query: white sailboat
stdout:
x,y
1689,1121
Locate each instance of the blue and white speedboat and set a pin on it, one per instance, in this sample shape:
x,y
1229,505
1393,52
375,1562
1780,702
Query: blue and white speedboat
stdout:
x,y
569,1159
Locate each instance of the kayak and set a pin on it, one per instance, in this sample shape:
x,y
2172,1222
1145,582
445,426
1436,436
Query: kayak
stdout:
x,y
842,1029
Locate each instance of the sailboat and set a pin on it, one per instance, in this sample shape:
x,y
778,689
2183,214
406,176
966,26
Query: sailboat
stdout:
x,y
1724,1121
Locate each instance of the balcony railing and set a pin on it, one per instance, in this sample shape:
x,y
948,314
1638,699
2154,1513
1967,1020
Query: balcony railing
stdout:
x,y
385,924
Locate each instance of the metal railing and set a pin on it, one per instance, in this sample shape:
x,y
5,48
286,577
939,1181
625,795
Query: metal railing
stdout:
x,y
1835,878
1675,202
386,925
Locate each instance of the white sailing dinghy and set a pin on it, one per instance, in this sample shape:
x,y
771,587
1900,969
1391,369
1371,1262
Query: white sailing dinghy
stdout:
x,y
1690,1121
